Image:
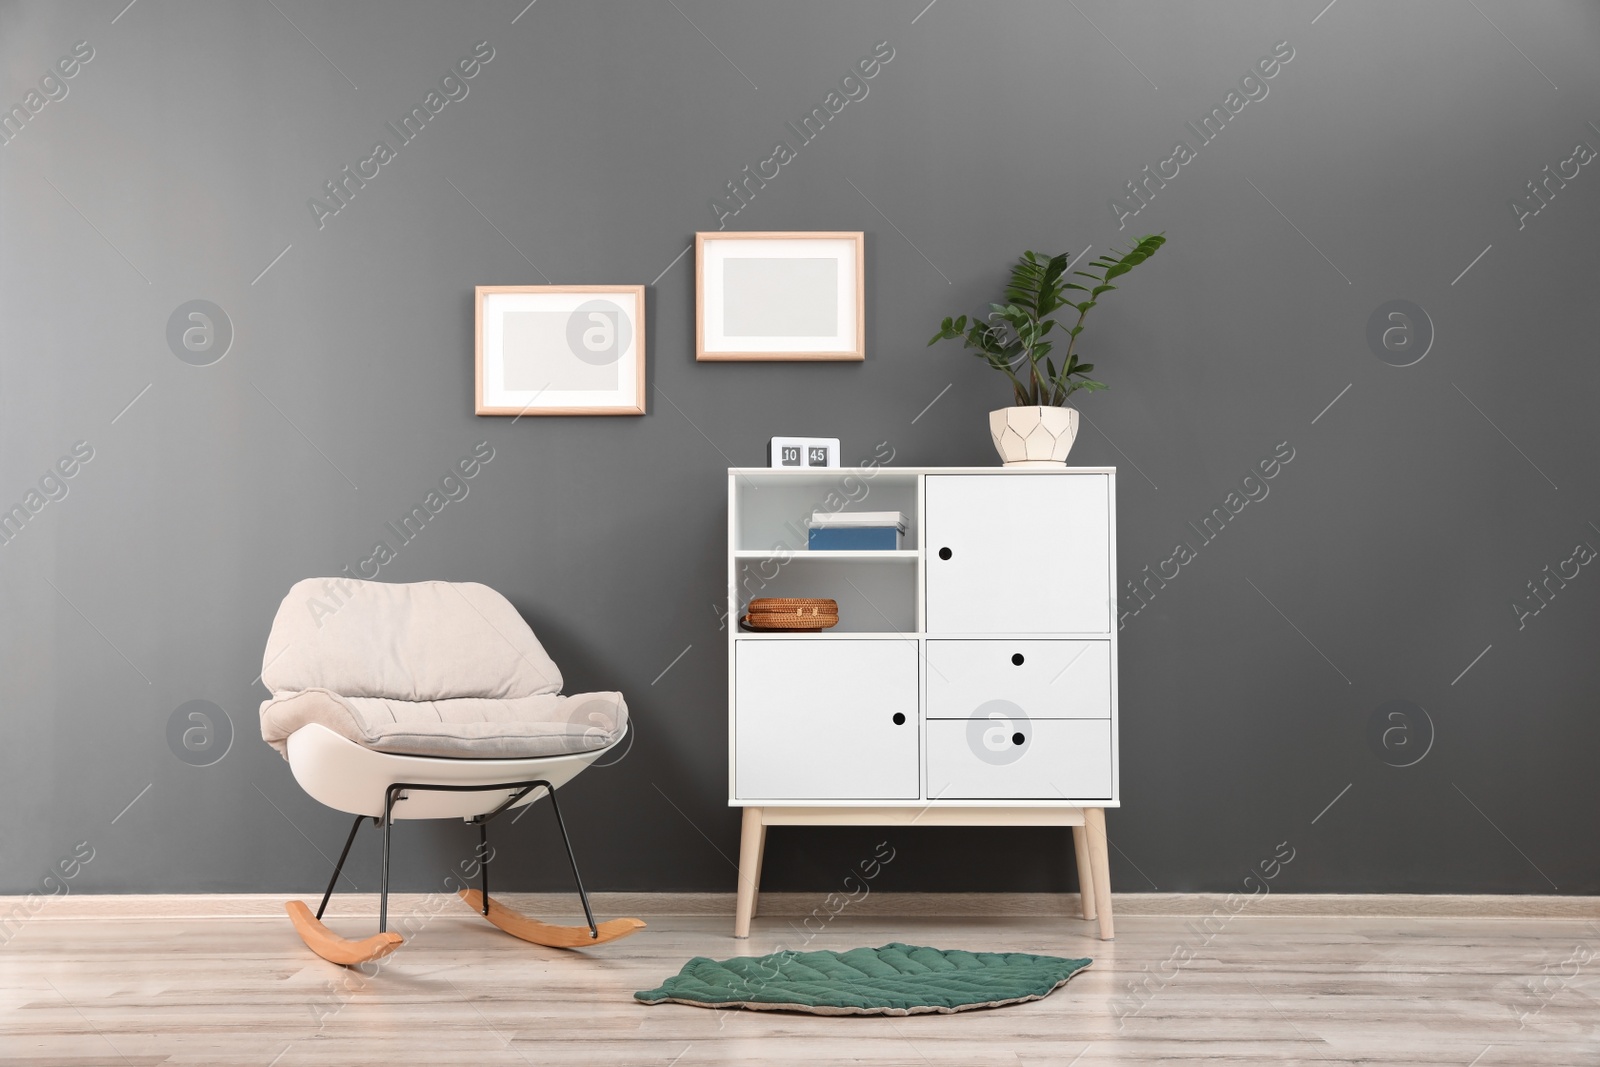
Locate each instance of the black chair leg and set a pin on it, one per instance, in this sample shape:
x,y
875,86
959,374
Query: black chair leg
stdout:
x,y
337,867
389,798
483,861
594,931
397,792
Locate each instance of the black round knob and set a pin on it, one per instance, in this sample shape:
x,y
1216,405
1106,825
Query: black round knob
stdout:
x,y
944,553
1018,739
900,719
1017,659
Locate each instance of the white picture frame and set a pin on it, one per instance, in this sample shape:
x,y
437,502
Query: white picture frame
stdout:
x,y
560,350
795,295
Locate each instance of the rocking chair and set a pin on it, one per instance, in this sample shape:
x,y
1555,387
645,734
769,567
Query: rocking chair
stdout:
x,y
427,701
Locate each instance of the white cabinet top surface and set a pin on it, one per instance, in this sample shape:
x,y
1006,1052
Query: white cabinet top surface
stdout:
x,y
882,469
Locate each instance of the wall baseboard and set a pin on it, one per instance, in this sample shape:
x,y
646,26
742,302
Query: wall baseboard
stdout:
x,y
901,905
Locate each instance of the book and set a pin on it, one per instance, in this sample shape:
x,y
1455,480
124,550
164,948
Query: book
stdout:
x,y
827,519
853,538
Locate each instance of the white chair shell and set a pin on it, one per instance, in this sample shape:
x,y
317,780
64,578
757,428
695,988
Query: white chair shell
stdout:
x,y
347,777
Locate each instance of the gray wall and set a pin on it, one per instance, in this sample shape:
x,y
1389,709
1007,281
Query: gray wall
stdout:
x,y
1256,685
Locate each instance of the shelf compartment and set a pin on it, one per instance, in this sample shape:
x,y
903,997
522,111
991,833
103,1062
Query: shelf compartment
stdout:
x,y
773,512
871,599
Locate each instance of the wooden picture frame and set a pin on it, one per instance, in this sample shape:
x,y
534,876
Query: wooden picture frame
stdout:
x,y
559,350
794,295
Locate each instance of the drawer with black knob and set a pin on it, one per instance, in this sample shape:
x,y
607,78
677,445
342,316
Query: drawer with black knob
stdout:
x,y
1001,757
1043,679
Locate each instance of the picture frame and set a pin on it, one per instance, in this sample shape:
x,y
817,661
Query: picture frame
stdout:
x,y
559,350
790,295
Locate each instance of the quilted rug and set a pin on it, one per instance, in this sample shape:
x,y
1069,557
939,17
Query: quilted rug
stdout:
x,y
893,980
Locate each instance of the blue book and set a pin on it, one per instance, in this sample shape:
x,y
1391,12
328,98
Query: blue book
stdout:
x,y
852,538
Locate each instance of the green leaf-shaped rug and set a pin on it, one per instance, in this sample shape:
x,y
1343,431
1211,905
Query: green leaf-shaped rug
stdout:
x,y
893,980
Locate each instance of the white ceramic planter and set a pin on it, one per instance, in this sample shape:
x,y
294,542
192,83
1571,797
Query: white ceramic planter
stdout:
x,y
1034,436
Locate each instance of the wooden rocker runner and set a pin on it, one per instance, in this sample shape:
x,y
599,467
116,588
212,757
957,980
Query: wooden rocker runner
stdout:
x,y
428,701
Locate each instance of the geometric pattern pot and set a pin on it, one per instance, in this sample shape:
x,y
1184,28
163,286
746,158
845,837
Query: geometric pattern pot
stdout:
x,y
1034,436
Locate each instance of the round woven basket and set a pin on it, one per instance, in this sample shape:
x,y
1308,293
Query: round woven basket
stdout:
x,y
792,613
794,605
812,623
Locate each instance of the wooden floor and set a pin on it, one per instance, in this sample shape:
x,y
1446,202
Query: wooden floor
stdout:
x,y
1252,990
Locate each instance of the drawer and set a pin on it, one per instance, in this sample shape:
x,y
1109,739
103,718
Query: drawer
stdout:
x,y
982,759
1046,679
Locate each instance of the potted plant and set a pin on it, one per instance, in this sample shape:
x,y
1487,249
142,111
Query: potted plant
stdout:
x,y
1038,430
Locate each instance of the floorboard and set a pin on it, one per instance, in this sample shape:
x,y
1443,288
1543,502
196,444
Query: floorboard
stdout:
x,y
1170,990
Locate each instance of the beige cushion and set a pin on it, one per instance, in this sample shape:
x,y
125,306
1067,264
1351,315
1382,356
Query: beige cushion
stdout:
x,y
425,669
422,641
463,727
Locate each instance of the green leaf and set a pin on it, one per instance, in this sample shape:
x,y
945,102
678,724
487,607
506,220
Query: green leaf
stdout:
x,y
1011,336
1033,285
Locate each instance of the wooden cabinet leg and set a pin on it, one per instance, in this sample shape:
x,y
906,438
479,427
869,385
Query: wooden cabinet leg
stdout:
x,y
761,856
1080,846
1094,820
750,841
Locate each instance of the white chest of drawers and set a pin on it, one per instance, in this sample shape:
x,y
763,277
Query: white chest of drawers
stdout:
x,y
972,679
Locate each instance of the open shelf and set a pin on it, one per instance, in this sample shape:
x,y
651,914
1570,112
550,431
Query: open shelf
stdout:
x,y
871,599
773,508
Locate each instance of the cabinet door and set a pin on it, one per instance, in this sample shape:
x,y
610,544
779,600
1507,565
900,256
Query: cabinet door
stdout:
x,y
1019,553
816,719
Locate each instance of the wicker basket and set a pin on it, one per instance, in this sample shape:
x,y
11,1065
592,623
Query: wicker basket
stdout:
x,y
792,613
